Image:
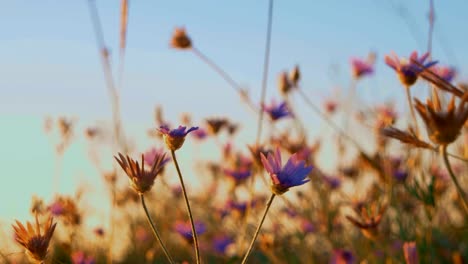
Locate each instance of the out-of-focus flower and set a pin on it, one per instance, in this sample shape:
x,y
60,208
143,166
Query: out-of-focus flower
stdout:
x,y
141,234
332,182
277,111
330,106
238,174
65,208
443,126
284,84
141,179
79,257
294,173
35,242
341,256
410,251
307,227
180,39
295,75
221,243
256,151
408,70
152,154
185,229
361,68
404,137
99,231
200,134
175,138
370,218
444,72
216,124
37,205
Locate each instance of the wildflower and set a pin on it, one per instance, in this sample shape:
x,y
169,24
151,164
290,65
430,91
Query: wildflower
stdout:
x,y
99,231
410,251
330,106
216,124
443,127
180,40
65,208
276,111
141,179
408,70
307,227
405,137
238,174
151,156
370,218
439,81
341,256
295,76
256,150
185,229
284,85
33,240
79,257
294,173
221,243
200,134
444,72
175,138
361,68
332,182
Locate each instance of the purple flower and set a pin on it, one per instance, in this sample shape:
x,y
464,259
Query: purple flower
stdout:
x,y
444,72
411,253
220,243
307,227
277,111
408,70
151,155
175,138
332,182
57,208
341,256
79,257
361,68
400,175
200,134
239,174
185,229
294,173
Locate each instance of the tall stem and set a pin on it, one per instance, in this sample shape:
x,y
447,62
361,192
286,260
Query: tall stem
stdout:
x,y
410,105
244,260
155,231
189,211
443,150
265,71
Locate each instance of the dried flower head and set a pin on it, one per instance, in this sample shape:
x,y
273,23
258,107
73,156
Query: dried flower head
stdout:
x,y
408,70
284,84
35,242
370,218
175,138
295,76
294,173
443,126
405,137
216,124
142,180
180,39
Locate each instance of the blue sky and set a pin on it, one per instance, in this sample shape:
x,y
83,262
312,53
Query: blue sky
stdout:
x,y
50,64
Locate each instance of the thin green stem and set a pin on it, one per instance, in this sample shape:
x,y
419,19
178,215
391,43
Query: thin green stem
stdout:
x,y
244,260
265,71
189,211
410,105
461,193
155,231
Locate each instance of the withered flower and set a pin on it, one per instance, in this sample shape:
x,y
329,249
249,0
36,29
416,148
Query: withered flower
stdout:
x,y
180,40
443,126
216,124
34,242
405,137
142,180
295,75
370,218
284,84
